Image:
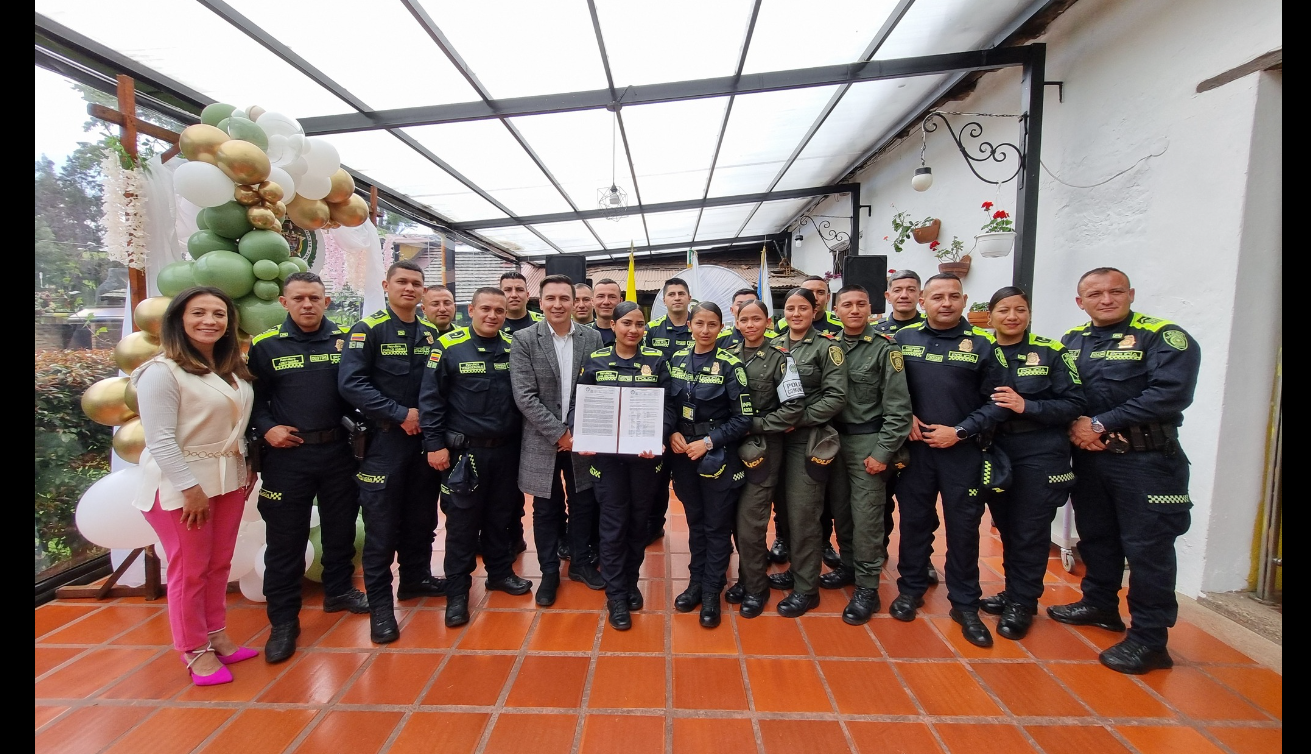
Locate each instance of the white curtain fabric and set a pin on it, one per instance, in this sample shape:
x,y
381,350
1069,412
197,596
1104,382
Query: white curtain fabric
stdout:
x,y
170,220
364,239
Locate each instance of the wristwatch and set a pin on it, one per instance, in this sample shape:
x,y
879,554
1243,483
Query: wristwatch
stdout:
x,y
1098,427
961,434
710,444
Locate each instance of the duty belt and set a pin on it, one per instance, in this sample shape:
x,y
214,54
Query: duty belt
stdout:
x,y
1019,426
862,428
487,442
321,437
1139,438
698,429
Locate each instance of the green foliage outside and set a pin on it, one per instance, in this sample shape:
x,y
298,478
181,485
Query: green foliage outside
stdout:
x,y
345,307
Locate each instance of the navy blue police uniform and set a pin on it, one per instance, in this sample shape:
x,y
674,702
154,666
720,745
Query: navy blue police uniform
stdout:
x,y
528,320
889,326
607,333
667,338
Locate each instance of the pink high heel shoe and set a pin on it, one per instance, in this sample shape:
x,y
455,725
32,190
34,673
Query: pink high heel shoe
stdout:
x,y
220,676
242,653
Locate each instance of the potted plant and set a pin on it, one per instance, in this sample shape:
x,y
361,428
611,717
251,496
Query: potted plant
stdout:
x,y
978,314
926,231
952,257
998,234
903,227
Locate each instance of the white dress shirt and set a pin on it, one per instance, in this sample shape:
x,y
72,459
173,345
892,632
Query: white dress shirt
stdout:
x,y
564,354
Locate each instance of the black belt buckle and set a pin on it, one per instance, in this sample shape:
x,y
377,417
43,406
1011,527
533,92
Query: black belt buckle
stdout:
x,y
1115,442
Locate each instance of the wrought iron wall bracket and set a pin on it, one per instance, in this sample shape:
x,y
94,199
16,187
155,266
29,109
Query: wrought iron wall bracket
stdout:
x,y
981,150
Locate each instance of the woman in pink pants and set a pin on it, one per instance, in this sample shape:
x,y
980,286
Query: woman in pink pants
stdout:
x,y
195,402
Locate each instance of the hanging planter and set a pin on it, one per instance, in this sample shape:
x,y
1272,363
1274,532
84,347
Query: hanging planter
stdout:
x,y
928,232
997,244
978,315
959,268
951,258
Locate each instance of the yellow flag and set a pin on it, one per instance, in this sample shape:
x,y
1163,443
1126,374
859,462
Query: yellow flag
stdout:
x,y
630,292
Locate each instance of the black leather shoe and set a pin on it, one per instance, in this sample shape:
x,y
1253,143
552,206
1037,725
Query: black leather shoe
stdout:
x,y
655,536
779,552
782,581
1015,621
519,547
903,607
547,588
862,606
281,643
710,608
426,587
838,578
753,605
457,610
587,574
511,584
932,576
831,557
382,626
1135,659
995,604
796,604
619,617
689,599
354,601
735,594
1082,614
635,599
562,550
972,628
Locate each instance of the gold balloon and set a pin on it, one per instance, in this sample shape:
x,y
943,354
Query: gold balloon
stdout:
x,y
254,111
262,218
135,350
200,142
243,162
246,195
342,187
271,192
130,397
149,314
130,440
350,213
279,209
310,214
103,402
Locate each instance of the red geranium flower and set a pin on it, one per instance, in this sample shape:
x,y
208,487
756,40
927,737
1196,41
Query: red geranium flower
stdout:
x,y
1000,215
987,205
934,245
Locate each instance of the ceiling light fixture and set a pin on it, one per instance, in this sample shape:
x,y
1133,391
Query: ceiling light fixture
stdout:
x,y
613,200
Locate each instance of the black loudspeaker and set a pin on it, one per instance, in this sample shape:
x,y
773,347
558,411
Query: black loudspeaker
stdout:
x,y
573,265
870,273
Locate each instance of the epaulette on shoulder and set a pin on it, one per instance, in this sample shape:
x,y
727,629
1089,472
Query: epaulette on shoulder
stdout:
x,y
728,357
269,333
1038,340
1150,324
645,351
771,334
681,352
891,338
726,331
917,326
427,323
983,333
658,321
832,318
535,316
606,351
377,318
1078,328
458,335
505,336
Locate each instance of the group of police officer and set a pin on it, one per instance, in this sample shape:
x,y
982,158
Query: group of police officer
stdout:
x,y
830,416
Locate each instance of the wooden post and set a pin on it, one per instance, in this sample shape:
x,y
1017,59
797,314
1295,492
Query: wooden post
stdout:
x,y
373,204
127,106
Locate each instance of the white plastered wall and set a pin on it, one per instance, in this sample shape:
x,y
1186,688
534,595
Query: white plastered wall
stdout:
x,y
1197,227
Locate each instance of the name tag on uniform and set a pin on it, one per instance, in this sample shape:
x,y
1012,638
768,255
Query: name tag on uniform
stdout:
x,y
790,387
711,379
659,342
1124,355
422,350
288,362
912,350
606,376
316,358
973,358
1031,371
933,357
473,367
395,349
502,366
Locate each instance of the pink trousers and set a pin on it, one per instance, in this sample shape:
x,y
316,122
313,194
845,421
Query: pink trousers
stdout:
x,y
199,561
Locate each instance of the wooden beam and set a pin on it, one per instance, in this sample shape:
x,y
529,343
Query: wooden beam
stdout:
x,y
127,108
1272,59
373,205
115,117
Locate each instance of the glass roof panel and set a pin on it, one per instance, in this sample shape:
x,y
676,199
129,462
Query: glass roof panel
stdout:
x,y
722,222
937,26
673,144
618,234
517,239
519,48
575,147
638,37
771,216
670,227
388,27
485,153
199,50
790,36
570,236
762,131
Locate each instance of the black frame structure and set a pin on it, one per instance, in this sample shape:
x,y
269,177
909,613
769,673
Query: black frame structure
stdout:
x,y
76,56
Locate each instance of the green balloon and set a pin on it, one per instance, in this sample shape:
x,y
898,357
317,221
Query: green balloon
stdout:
x,y
256,315
264,244
226,270
213,114
301,263
266,269
288,268
358,560
246,130
268,290
223,124
228,220
203,242
200,220
315,571
176,278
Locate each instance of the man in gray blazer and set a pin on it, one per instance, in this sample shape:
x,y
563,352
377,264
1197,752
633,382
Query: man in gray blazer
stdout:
x,y
544,364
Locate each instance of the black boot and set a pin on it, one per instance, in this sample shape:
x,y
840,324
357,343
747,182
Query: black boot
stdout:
x,y
932,576
753,605
903,607
972,628
457,610
995,604
635,599
831,557
428,586
710,609
352,600
735,594
781,581
282,642
779,552
382,625
1135,659
1082,614
587,574
862,606
619,617
1015,621
689,599
511,584
838,578
547,588
796,604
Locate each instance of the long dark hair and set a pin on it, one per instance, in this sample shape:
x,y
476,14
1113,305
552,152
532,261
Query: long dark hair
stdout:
x,y
178,347
1005,293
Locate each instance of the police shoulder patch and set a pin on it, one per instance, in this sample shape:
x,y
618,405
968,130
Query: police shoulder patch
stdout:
x,y
1151,324
1175,339
836,355
982,333
741,376
266,334
651,351
898,364
457,335
1001,357
377,318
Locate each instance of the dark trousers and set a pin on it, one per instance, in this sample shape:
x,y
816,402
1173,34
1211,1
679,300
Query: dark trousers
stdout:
x,y
1023,514
550,523
954,473
485,512
398,496
660,506
626,488
1132,506
711,508
292,478
753,521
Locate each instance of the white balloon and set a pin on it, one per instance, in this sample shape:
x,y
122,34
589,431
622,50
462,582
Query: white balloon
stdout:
x,y
105,515
249,543
186,217
296,168
283,179
309,555
314,516
322,158
314,186
278,124
259,560
252,587
203,184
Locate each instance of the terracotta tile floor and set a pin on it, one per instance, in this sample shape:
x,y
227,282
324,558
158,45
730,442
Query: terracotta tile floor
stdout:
x,y
528,681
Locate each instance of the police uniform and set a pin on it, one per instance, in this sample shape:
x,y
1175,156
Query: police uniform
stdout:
x,y
828,325
730,338
952,375
873,424
821,364
1131,500
626,486
607,333
889,326
667,338
1037,443
381,368
296,386
528,320
467,407
766,367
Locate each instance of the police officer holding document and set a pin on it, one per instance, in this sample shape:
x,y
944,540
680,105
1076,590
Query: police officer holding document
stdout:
x,y
381,368
1131,476
305,454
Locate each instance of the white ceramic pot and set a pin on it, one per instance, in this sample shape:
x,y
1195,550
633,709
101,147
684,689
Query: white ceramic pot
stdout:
x,y
994,244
